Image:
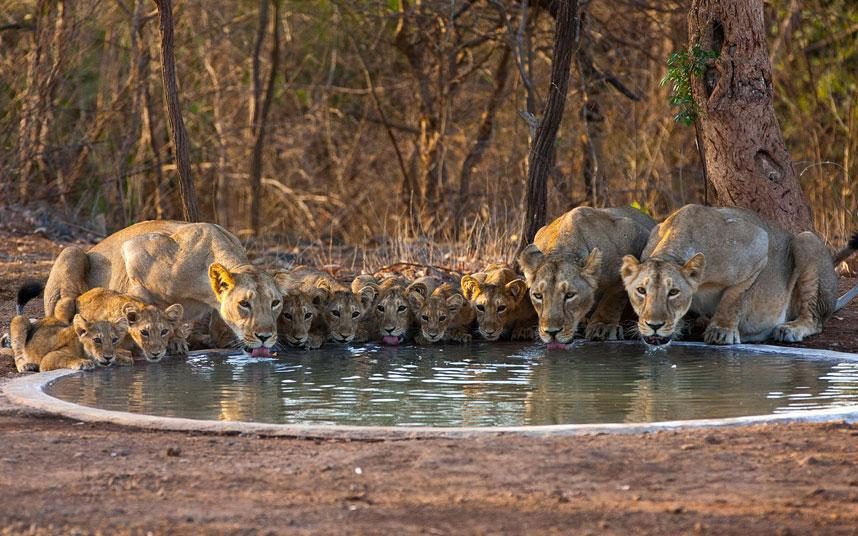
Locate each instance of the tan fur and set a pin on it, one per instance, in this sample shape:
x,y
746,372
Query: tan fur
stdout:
x,y
393,313
340,309
499,299
573,265
51,343
152,332
754,280
198,265
444,315
367,329
296,320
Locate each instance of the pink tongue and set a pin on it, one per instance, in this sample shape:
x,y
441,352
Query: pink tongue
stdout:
x,y
391,340
260,352
556,346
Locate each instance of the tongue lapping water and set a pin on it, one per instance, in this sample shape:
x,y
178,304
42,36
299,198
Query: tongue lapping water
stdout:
x,y
472,385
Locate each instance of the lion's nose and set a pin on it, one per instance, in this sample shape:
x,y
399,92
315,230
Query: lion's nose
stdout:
x,y
654,327
263,337
389,330
552,331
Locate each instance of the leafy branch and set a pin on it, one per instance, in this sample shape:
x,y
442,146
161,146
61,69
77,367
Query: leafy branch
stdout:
x,y
681,66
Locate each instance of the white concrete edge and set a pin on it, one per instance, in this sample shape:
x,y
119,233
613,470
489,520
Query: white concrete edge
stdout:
x,y
29,391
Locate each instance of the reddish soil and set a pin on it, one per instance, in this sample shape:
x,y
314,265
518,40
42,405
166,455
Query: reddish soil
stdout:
x,y
60,476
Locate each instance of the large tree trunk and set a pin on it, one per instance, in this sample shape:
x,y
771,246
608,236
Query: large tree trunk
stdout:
x,y
746,158
541,150
187,192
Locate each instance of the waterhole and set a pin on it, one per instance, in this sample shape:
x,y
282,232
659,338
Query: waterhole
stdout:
x,y
481,385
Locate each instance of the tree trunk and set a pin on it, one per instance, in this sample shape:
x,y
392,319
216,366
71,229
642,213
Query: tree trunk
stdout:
x,y
746,158
187,192
565,43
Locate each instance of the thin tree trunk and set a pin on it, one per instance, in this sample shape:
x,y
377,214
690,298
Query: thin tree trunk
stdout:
x,y
262,118
746,158
565,43
187,192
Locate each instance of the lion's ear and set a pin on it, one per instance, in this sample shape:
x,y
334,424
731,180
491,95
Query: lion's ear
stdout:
x,y
592,266
318,296
529,259
629,269
283,282
81,326
415,297
174,312
517,288
121,325
221,280
455,303
367,295
130,313
693,269
470,287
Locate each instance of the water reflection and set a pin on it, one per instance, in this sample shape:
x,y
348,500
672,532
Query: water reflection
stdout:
x,y
476,385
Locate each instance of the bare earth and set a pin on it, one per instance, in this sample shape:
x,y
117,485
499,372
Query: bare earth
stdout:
x,y
59,476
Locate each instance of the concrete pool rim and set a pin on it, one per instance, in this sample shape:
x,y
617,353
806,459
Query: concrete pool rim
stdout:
x,y
29,392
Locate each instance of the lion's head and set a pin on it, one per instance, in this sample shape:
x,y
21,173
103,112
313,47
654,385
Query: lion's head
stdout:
x,y
297,316
562,291
435,312
393,311
343,309
250,302
661,291
151,329
100,339
495,300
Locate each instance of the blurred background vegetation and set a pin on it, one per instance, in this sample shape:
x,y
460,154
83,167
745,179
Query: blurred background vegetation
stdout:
x,y
390,118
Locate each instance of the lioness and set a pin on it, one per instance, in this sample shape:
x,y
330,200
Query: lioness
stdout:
x,y
498,296
754,280
201,266
574,263
52,343
151,331
340,308
444,315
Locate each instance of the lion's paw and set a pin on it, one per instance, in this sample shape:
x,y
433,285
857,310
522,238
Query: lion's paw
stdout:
x,y
719,335
178,346
792,332
83,364
603,332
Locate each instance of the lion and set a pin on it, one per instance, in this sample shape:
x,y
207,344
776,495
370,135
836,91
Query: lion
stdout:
x,y
340,309
297,318
573,265
151,331
201,266
750,279
394,318
367,328
498,298
52,343
444,315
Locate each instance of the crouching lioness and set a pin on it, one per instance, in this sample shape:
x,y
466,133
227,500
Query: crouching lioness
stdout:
x,y
200,266
752,279
574,264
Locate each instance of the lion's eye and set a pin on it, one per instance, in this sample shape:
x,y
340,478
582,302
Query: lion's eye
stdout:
x,y
501,308
381,308
401,308
244,304
97,340
115,340
569,295
144,332
536,296
308,316
641,291
355,314
673,292
275,304
425,318
164,332
442,318
481,308
288,316
335,313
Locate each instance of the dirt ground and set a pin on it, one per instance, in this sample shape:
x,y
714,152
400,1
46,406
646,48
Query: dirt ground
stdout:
x,y
61,476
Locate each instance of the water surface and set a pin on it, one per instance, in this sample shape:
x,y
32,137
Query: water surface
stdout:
x,y
499,384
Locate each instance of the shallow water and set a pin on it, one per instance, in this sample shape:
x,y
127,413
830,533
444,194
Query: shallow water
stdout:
x,y
500,384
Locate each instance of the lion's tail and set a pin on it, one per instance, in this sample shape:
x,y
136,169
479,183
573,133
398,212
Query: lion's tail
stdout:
x,y
27,292
842,255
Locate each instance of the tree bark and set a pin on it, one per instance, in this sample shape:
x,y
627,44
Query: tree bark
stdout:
x,y
187,192
565,43
746,158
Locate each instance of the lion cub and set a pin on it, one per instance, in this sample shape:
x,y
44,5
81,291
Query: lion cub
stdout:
x,y
151,331
52,343
498,296
295,323
444,315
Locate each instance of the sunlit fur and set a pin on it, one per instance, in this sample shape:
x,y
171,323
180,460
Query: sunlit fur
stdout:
x,y
499,299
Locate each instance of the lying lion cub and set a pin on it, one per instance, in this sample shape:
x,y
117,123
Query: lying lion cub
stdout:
x,y
297,318
394,318
151,331
444,315
754,280
51,343
498,296
574,264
